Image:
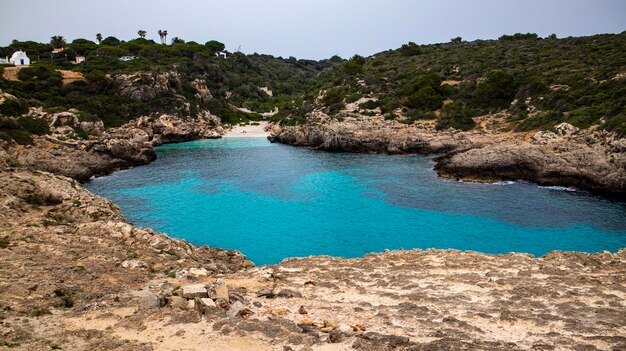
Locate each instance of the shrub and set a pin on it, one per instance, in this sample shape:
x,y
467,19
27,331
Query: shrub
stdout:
x,y
455,116
34,125
410,49
354,65
426,98
369,105
13,107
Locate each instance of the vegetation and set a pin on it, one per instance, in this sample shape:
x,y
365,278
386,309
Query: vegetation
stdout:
x,y
540,82
233,81
580,80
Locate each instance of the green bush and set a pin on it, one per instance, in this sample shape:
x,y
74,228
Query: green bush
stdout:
x,y
455,116
13,107
369,105
354,65
410,49
34,125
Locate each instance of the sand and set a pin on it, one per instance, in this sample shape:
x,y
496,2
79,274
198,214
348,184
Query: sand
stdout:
x,y
249,131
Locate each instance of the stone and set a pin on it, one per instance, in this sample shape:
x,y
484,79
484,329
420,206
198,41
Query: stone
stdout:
x,y
565,129
191,304
345,329
280,312
331,324
133,264
288,293
206,303
336,336
302,310
265,292
193,291
198,272
177,302
221,303
149,302
233,296
220,291
234,310
307,321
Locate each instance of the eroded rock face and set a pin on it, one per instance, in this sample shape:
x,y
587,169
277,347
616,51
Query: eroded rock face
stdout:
x,y
587,160
366,134
144,86
569,163
104,152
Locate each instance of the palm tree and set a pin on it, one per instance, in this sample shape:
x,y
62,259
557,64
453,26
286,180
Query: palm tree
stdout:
x,y
142,33
164,37
58,41
161,35
99,38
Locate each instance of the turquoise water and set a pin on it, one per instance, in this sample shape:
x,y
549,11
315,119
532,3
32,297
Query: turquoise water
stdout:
x,y
273,201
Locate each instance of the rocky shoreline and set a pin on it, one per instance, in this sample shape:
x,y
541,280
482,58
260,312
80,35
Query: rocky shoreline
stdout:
x,y
585,159
76,276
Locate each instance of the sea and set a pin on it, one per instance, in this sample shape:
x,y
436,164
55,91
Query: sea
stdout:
x,y
274,201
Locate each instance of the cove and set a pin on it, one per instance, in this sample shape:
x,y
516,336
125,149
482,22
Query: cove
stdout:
x,y
273,201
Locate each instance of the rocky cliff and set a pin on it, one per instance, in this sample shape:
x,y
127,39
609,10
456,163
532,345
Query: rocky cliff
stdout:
x,y
590,160
105,151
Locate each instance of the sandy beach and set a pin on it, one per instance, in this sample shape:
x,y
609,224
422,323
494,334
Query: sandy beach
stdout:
x,y
249,131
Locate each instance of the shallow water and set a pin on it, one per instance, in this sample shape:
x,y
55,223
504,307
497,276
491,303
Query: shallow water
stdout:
x,y
273,201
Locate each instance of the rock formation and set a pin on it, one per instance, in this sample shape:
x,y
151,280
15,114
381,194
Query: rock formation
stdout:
x,y
590,160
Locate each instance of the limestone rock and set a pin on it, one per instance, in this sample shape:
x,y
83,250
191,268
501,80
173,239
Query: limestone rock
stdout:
x,y
177,302
234,309
193,291
565,129
198,272
206,303
220,290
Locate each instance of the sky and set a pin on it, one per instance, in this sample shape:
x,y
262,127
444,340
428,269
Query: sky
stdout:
x,y
311,29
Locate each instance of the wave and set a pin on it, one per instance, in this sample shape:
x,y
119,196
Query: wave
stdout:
x,y
504,182
556,187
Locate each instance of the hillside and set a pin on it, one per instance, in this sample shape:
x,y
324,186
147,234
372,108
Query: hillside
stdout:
x,y
539,82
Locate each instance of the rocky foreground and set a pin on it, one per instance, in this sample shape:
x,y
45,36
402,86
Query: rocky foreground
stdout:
x,y
585,159
74,275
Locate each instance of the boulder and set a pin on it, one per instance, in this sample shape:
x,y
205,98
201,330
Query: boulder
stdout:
x,y
193,291
565,129
206,303
234,309
198,272
177,302
219,291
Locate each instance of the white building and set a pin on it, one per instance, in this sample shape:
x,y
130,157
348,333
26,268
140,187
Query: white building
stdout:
x,y
19,58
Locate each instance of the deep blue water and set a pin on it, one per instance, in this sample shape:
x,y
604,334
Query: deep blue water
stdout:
x,y
273,201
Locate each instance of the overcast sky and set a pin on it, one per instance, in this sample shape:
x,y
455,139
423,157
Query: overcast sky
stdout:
x,y
308,29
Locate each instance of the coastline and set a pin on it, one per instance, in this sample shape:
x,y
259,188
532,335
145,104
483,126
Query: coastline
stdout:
x,y
128,279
